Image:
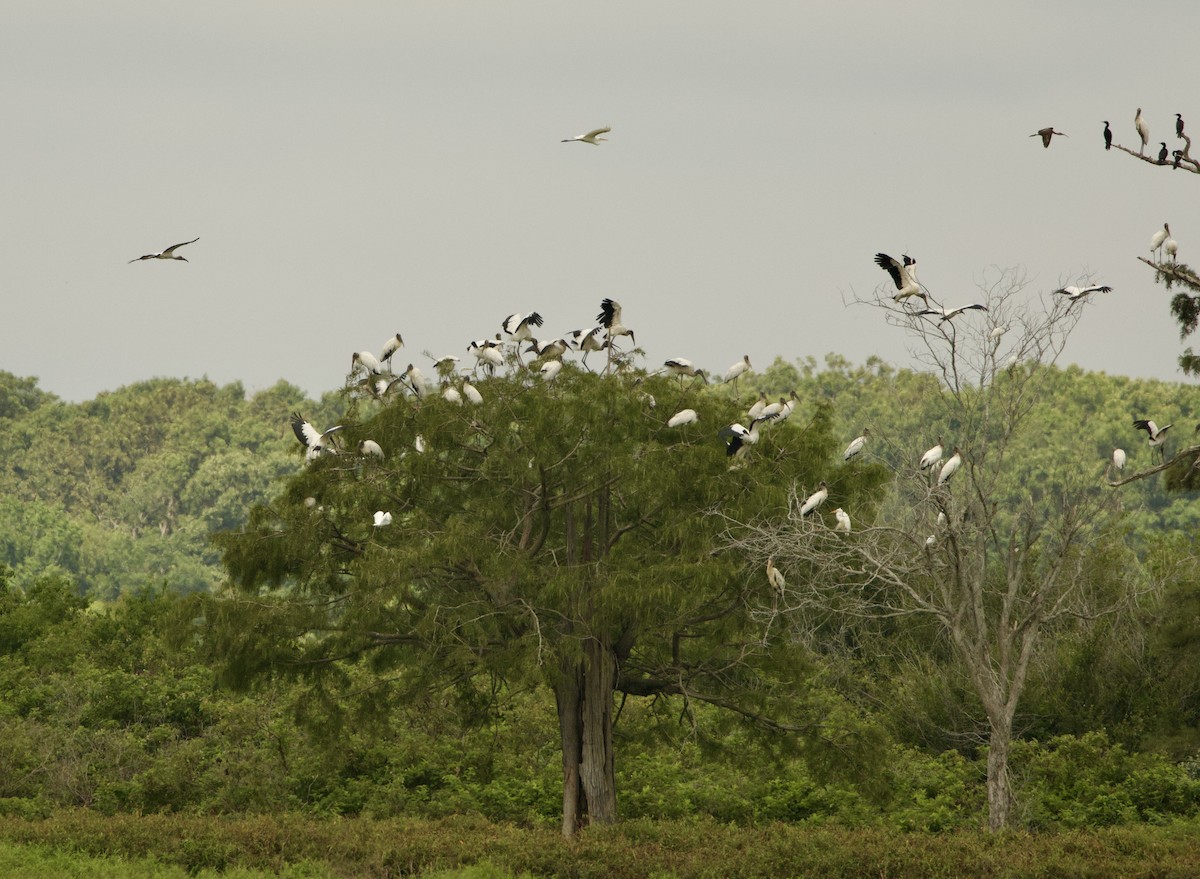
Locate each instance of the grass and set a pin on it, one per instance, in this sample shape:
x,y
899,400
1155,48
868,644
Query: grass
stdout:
x,y
132,847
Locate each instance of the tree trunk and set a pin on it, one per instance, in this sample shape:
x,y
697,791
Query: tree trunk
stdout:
x,y
999,793
584,694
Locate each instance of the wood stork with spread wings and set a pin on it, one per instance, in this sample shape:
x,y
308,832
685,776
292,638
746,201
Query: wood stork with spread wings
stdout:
x,y
946,314
315,442
610,318
518,326
737,437
904,275
1076,293
1045,134
1156,436
169,253
593,137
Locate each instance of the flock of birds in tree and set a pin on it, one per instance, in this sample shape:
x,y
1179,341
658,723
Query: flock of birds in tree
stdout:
x,y
1143,132
380,380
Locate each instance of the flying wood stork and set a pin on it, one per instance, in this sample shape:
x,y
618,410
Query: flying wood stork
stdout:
x,y
946,314
1076,293
904,275
593,137
169,253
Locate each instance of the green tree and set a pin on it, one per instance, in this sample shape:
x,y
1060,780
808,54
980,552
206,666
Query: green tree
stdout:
x,y
557,532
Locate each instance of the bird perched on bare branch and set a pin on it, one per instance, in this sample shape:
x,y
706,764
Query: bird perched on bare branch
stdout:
x,y
1107,136
904,275
1143,130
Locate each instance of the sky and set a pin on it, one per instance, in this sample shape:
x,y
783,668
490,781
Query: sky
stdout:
x,y
354,170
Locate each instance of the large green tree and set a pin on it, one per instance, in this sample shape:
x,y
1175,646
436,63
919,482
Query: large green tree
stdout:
x,y
559,533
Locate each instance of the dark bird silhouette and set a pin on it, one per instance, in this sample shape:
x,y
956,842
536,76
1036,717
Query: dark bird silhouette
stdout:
x,y
1178,158
1178,125
1162,153
1107,136
1045,134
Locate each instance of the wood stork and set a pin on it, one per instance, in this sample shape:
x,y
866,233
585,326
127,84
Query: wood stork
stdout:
x,y
518,326
450,393
316,442
1156,242
1163,152
815,499
419,444
390,347
593,137
169,253
1178,125
487,354
368,361
737,370
1156,435
932,457
382,386
1118,459
843,520
370,447
950,467
904,275
772,410
756,409
681,366
948,313
856,445
789,406
416,380
587,341
1107,136
445,366
552,348
682,417
1143,130
1170,248
1045,134
471,393
550,370
382,519
775,577
1076,293
610,318
737,437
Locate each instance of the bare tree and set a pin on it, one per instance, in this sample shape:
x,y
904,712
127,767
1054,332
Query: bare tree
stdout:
x,y
994,565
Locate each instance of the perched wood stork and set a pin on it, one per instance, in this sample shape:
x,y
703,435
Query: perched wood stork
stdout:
x,y
487,354
682,417
856,445
1156,242
815,499
610,318
1170,248
904,275
1163,152
593,137
550,370
370,447
950,467
382,386
1143,130
552,348
1178,125
518,326
587,341
1156,435
1076,293
1045,134
843,520
390,347
382,519
368,361
788,407
774,577
450,393
932,457
445,366
772,410
1107,136
416,380
316,442
1118,459
756,409
471,393
946,314
681,366
737,437
737,370
169,253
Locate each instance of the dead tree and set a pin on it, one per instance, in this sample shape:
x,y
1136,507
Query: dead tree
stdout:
x,y
994,565
1175,159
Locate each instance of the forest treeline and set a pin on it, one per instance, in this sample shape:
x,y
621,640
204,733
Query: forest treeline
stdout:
x,y
114,698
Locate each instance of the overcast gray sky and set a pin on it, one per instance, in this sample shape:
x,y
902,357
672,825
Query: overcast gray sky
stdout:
x,y
359,169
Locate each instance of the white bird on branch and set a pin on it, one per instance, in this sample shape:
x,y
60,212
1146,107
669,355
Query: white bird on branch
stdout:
x,y
738,437
856,445
904,275
737,370
382,519
370,447
1076,293
682,417
948,313
1118,459
593,137
587,341
316,442
1046,133
518,326
1143,130
950,467
681,366
450,393
1156,435
169,253
932,457
843,520
775,577
416,380
1170,248
815,499
1160,237
550,370
788,407
471,393
756,409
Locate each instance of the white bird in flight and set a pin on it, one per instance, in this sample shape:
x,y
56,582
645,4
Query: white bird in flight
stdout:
x,y
312,439
904,274
169,253
947,313
1074,293
593,137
